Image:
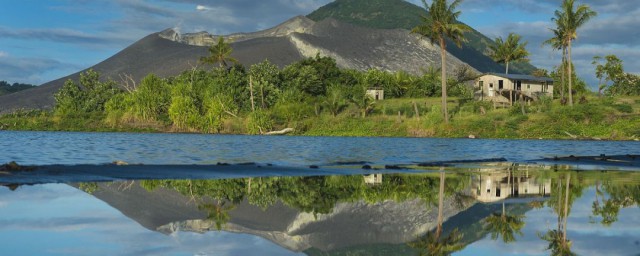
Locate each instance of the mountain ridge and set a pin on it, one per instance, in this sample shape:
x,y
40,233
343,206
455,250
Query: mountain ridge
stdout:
x,y
391,14
390,48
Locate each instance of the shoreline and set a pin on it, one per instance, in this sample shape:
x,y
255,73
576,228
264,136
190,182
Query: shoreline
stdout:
x,y
13,174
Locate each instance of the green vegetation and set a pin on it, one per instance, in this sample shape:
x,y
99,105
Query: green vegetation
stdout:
x,y
394,14
7,88
319,99
613,71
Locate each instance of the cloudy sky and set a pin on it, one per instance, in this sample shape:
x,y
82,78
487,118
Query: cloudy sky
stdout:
x,y
44,40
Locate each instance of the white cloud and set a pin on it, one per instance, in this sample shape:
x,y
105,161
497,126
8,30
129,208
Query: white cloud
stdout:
x,y
202,8
3,54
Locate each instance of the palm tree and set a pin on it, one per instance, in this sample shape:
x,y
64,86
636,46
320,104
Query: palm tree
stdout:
x,y
570,20
219,53
433,244
440,23
509,50
557,43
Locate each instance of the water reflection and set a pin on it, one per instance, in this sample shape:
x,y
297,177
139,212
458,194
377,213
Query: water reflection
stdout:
x,y
513,211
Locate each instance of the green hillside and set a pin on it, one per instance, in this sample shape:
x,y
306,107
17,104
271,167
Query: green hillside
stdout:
x,y
391,14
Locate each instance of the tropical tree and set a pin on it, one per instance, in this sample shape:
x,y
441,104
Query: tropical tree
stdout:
x,y
509,50
557,43
219,53
334,101
540,72
440,23
569,19
362,100
612,71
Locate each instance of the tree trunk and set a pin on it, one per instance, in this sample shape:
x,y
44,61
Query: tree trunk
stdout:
x,y
564,71
262,95
443,79
566,209
253,108
507,72
570,77
440,203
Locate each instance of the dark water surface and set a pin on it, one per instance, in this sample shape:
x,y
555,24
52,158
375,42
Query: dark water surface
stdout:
x,y
494,209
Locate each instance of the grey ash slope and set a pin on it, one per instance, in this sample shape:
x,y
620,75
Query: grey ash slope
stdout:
x,y
168,54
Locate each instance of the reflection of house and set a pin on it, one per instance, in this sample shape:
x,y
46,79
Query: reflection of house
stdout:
x,y
508,88
373,179
376,93
495,186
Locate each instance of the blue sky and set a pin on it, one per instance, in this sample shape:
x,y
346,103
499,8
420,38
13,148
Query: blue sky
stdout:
x,y
44,40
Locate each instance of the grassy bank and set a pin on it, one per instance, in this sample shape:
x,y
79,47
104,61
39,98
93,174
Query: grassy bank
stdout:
x,y
597,118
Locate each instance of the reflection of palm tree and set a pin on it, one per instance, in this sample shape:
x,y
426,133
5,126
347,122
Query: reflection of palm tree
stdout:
x,y
433,244
503,224
608,210
557,238
218,213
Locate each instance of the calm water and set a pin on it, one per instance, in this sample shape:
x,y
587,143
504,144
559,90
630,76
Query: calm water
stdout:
x,y
39,148
493,211
395,214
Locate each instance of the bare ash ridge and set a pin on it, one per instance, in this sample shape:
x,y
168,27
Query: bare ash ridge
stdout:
x,y
168,53
352,46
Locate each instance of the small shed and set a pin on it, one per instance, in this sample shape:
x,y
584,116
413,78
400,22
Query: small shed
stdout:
x,y
373,179
376,93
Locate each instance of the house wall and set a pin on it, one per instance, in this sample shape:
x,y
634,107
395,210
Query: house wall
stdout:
x,y
508,84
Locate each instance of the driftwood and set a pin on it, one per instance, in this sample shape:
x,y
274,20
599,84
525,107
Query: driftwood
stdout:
x,y
281,132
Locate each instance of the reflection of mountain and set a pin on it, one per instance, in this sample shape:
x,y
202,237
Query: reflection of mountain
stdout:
x,y
348,225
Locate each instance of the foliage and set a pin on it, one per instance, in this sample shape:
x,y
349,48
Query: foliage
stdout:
x,y
266,79
151,99
303,78
219,53
259,122
183,110
89,96
7,88
622,83
509,50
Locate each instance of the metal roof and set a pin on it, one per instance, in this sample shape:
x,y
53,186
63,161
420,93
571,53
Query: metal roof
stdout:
x,y
522,77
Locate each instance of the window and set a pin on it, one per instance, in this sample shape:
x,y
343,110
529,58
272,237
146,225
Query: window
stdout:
x,y
528,86
491,85
500,84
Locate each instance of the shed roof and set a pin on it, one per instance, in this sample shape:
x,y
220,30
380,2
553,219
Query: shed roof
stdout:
x,y
522,77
